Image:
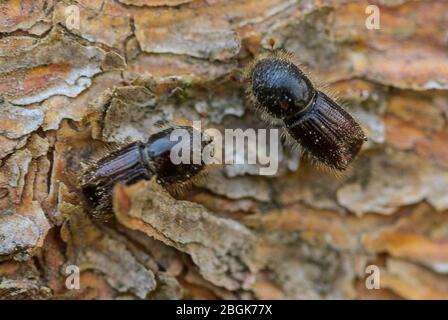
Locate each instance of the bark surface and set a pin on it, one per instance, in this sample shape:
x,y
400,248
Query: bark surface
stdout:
x,y
69,88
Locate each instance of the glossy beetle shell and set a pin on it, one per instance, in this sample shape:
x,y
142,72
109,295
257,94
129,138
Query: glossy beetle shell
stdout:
x,y
158,149
127,165
281,88
328,132
130,164
281,91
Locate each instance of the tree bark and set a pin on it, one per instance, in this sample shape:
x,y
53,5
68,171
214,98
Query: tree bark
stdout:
x,y
76,75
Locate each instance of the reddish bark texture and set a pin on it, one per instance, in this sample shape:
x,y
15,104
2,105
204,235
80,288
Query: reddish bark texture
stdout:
x,y
68,89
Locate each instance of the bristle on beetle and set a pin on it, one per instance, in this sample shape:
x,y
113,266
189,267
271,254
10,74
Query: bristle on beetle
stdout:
x,y
138,161
280,91
328,133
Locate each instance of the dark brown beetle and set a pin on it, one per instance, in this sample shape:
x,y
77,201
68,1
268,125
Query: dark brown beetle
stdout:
x,y
132,163
281,91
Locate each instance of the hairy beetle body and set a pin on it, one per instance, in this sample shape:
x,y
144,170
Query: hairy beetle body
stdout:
x,y
132,163
282,92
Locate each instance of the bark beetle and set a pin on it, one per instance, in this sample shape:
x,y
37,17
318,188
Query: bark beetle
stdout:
x,y
68,89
